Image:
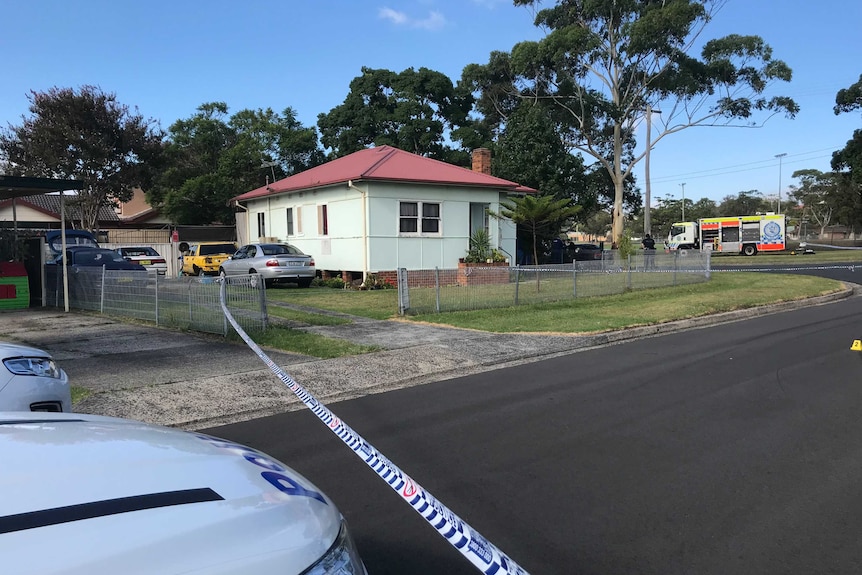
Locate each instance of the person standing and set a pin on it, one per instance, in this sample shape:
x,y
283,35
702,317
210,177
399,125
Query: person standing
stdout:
x,y
649,251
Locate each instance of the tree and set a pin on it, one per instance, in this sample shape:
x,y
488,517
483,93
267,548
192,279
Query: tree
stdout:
x,y
412,110
817,196
540,217
847,162
84,134
529,151
604,63
745,203
211,158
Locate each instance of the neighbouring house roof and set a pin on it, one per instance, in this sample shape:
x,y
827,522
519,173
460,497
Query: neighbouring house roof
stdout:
x,y
49,204
385,164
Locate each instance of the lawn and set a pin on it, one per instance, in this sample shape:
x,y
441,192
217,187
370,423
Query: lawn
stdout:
x,y
726,291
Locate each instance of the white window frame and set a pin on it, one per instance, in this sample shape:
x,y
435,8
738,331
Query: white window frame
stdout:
x,y
420,218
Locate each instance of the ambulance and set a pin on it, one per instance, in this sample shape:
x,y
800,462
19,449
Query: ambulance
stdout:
x,y
745,235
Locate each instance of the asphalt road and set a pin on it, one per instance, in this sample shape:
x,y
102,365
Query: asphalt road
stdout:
x,y
729,449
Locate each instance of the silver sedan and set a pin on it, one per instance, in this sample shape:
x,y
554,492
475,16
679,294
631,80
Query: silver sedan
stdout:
x,y
275,263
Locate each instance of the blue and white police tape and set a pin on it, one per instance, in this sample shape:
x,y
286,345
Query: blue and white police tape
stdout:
x,y
478,550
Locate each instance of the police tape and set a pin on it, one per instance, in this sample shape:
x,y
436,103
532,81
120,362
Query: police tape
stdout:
x,y
479,551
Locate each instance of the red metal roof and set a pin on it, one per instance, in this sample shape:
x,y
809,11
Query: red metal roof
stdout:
x,y
384,164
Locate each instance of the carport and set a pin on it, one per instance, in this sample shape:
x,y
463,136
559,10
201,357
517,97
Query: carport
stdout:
x,y
12,187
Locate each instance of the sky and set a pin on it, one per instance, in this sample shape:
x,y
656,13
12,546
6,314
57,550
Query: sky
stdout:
x,y
166,58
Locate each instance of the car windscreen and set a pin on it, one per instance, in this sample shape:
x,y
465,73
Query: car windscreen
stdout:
x,y
212,249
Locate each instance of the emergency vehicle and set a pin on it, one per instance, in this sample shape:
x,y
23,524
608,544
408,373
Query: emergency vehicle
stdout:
x,y
745,235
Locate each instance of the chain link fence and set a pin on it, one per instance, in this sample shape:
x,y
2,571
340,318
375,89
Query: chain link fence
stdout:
x,y
186,303
482,286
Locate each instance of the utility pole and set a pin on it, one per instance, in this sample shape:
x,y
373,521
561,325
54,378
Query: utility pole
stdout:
x,y
649,113
682,185
780,157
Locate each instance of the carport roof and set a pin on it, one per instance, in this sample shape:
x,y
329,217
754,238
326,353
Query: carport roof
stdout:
x,y
19,186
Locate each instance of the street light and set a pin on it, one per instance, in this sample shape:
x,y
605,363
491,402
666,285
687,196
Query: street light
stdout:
x,y
779,156
682,185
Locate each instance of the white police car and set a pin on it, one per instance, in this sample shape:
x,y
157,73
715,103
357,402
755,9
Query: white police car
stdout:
x,y
83,494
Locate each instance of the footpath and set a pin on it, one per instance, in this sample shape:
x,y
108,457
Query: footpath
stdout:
x,y
191,380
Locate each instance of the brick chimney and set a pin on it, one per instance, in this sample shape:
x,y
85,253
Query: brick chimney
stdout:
x,y
482,161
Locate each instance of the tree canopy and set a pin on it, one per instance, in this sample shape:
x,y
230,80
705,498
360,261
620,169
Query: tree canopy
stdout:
x,y
210,158
413,110
847,162
604,63
84,134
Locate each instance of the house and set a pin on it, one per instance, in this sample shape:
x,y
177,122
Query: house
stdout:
x,y
381,209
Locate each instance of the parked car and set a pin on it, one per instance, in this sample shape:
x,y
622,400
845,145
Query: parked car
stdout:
x,y
276,263
74,238
586,252
205,258
157,500
83,256
145,256
31,381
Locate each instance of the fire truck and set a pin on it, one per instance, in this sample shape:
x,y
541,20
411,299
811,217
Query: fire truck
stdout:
x,y
745,235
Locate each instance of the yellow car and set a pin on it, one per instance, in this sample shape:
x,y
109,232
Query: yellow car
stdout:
x,y
206,257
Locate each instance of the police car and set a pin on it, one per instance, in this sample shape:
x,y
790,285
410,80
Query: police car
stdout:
x,y
83,494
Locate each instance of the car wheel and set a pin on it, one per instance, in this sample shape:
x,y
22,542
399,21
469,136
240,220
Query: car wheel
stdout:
x,y
749,250
196,270
254,280
221,273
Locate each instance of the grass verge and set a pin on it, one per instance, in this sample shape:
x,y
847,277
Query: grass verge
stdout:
x,y
725,292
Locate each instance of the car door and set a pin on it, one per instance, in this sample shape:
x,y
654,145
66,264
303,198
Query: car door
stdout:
x,y
239,262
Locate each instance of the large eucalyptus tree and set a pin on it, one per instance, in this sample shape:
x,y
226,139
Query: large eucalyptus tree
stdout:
x,y
605,64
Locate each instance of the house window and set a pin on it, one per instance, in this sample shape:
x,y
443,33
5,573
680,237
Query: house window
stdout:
x,y
290,221
322,220
419,217
261,225
298,220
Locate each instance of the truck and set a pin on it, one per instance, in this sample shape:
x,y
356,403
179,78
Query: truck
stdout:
x,y
745,235
205,257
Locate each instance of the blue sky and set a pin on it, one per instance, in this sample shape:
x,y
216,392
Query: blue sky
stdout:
x,y
167,58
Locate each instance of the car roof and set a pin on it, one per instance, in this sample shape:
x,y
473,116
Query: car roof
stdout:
x,y
171,500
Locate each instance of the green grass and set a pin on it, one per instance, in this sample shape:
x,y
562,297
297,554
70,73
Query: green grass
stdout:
x,y
305,317
297,341
725,292
375,304
79,393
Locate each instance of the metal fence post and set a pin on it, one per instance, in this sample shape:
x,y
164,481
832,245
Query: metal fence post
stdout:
x,y
437,286
675,264
517,281
629,272
403,292
191,308
157,299
263,311
575,279
102,297
708,265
